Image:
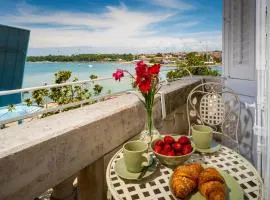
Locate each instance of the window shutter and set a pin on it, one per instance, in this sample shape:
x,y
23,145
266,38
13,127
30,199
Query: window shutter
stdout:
x,y
241,39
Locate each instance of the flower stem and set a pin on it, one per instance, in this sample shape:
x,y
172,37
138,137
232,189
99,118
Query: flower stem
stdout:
x,y
149,111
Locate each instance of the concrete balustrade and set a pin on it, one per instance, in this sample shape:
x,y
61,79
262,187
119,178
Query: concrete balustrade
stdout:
x,y
64,190
45,153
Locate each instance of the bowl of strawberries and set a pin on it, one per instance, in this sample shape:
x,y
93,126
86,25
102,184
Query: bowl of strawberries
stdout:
x,y
173,150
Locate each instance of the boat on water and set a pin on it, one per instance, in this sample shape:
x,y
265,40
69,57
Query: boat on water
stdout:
x,y
90,66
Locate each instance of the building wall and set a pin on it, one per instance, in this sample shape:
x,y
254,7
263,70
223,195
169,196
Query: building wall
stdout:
x,y
13,49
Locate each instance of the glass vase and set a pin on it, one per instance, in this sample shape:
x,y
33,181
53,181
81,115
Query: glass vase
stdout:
x,y
150,133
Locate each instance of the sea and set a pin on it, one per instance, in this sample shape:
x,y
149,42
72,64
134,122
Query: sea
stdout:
x,y
41,73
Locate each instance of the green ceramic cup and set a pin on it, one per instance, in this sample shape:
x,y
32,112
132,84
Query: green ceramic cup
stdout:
x,y
202,136
136,156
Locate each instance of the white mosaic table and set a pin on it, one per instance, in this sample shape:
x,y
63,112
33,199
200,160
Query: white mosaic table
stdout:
x,y
156,186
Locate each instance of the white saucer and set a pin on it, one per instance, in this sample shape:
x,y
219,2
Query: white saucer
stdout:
x,y
121,171
214,148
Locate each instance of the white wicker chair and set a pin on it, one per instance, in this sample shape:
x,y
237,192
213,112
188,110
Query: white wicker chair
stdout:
x,y
218,106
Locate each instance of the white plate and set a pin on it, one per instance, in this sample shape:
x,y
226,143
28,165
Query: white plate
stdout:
x,y
214,148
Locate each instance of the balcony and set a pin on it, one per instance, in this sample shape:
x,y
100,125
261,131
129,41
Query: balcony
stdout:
x,y
51,152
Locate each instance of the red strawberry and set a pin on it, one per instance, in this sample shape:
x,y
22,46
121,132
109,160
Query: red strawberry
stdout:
x,y
171,153
177,147
169,140
162,152
167,148
187,149
159,143
157,149
184,140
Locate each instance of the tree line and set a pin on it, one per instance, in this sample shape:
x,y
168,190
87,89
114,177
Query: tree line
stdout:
x,y
81,58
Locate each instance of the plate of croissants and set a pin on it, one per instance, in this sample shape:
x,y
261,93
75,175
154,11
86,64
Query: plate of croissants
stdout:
x,y
193,181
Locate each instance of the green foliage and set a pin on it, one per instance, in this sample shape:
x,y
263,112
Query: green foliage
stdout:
x,y
80,94
28,102
190,70
152,60
97,89
62,76
81,58
65,94
92,77
11,107
40,96
62,95
193,60
159,55
205,57
75,79
193,66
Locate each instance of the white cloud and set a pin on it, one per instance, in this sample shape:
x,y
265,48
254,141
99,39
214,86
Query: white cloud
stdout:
x,y
23,8
113,18
118,29
187,24
176,4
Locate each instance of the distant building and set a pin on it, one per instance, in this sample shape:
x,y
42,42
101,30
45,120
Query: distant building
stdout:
x,y
217,55
13,50
164,61
107,59
142,57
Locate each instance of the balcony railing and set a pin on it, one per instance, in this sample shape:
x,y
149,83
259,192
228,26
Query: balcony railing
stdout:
x,y
44,109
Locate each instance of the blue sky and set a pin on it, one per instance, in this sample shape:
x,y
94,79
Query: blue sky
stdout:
x,y
114,26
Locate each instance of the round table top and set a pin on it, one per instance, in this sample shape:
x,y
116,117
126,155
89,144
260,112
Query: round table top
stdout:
x,y
156,186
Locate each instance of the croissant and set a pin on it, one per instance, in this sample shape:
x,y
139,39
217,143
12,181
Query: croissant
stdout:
x,y
212,185
185,179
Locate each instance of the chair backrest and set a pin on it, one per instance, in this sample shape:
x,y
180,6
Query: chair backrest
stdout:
x,y
215,105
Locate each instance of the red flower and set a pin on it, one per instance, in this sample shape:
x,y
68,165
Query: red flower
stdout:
x,y
141,69
144,83
146,77
118,74
143,78
154,70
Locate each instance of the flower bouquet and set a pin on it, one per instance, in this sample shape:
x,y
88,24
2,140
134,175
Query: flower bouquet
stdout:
x,y
146,81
